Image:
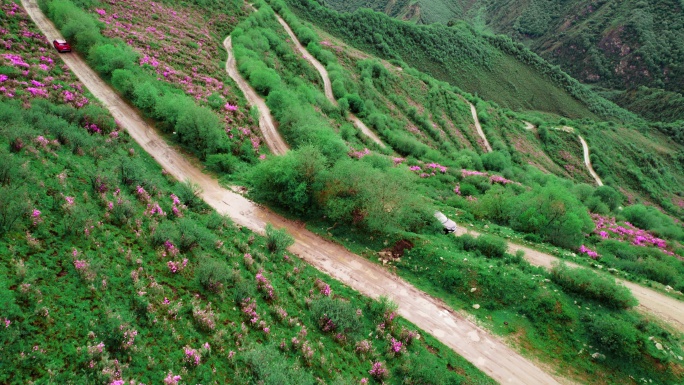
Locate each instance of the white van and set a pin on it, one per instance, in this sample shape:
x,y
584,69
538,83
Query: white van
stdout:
x,y
448,224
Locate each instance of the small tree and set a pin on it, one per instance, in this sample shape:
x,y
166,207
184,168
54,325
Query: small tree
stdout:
x,y
277,239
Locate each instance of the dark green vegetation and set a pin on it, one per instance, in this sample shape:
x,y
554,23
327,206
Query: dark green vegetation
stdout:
x,y
112,270
632,45
493,67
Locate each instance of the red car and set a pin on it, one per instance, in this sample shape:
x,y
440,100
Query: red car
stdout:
x,y
61,45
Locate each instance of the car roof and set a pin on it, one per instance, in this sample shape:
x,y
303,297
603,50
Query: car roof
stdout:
x,y
441,217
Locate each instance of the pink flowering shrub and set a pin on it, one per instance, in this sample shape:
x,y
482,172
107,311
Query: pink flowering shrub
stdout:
x,y
359,154
204,316
378,371
322,287
363,347
192,356
171,379
591,253
265,287
608,228
248,307
176,267
396,347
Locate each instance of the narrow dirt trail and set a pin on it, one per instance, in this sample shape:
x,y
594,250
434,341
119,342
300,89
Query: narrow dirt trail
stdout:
x,y
486,352
327,86
651,302
478,127
587,161
266,123
585,150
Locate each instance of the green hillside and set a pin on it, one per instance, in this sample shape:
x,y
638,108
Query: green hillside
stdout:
x,y
113,272
492,67
616,44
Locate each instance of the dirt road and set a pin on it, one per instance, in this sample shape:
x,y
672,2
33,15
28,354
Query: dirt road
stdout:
x,y
587,161
327,87
651,302
473,111
266,123
585,149
485,351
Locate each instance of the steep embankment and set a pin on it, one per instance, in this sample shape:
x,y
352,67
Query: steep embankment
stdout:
x,y
485,351
273,139
327,87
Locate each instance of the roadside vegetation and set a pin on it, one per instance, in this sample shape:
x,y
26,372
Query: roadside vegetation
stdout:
x,y
345,187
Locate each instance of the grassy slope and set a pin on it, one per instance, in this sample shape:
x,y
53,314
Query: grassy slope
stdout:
x,y
482,265
87,262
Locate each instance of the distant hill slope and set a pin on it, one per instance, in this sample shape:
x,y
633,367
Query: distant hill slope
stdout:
x,y
617,44
493,67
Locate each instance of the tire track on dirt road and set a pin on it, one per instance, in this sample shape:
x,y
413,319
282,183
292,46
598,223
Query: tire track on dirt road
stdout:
x,y
327,86
272,137
651,302
476,345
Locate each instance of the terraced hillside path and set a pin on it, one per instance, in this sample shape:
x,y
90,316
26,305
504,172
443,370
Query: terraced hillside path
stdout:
x,y
478,127
486,352
651,302
327,87
267,126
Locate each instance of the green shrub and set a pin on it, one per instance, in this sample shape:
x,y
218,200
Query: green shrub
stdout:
x,y
14,205
381,308
496,161
215,275
617,336
265,365
224,163
426,369
335,315
264,80
189,194
593,286
277,239
491,246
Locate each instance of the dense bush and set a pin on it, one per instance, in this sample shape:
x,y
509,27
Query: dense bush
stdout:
x,y
614,335
334,315
302,181
593,286
215,275
277,239
265,365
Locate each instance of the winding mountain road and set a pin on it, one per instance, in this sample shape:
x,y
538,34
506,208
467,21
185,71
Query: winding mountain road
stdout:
x,y
327,86
587,161
585,150
478,127
266,122
651,302
486,352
